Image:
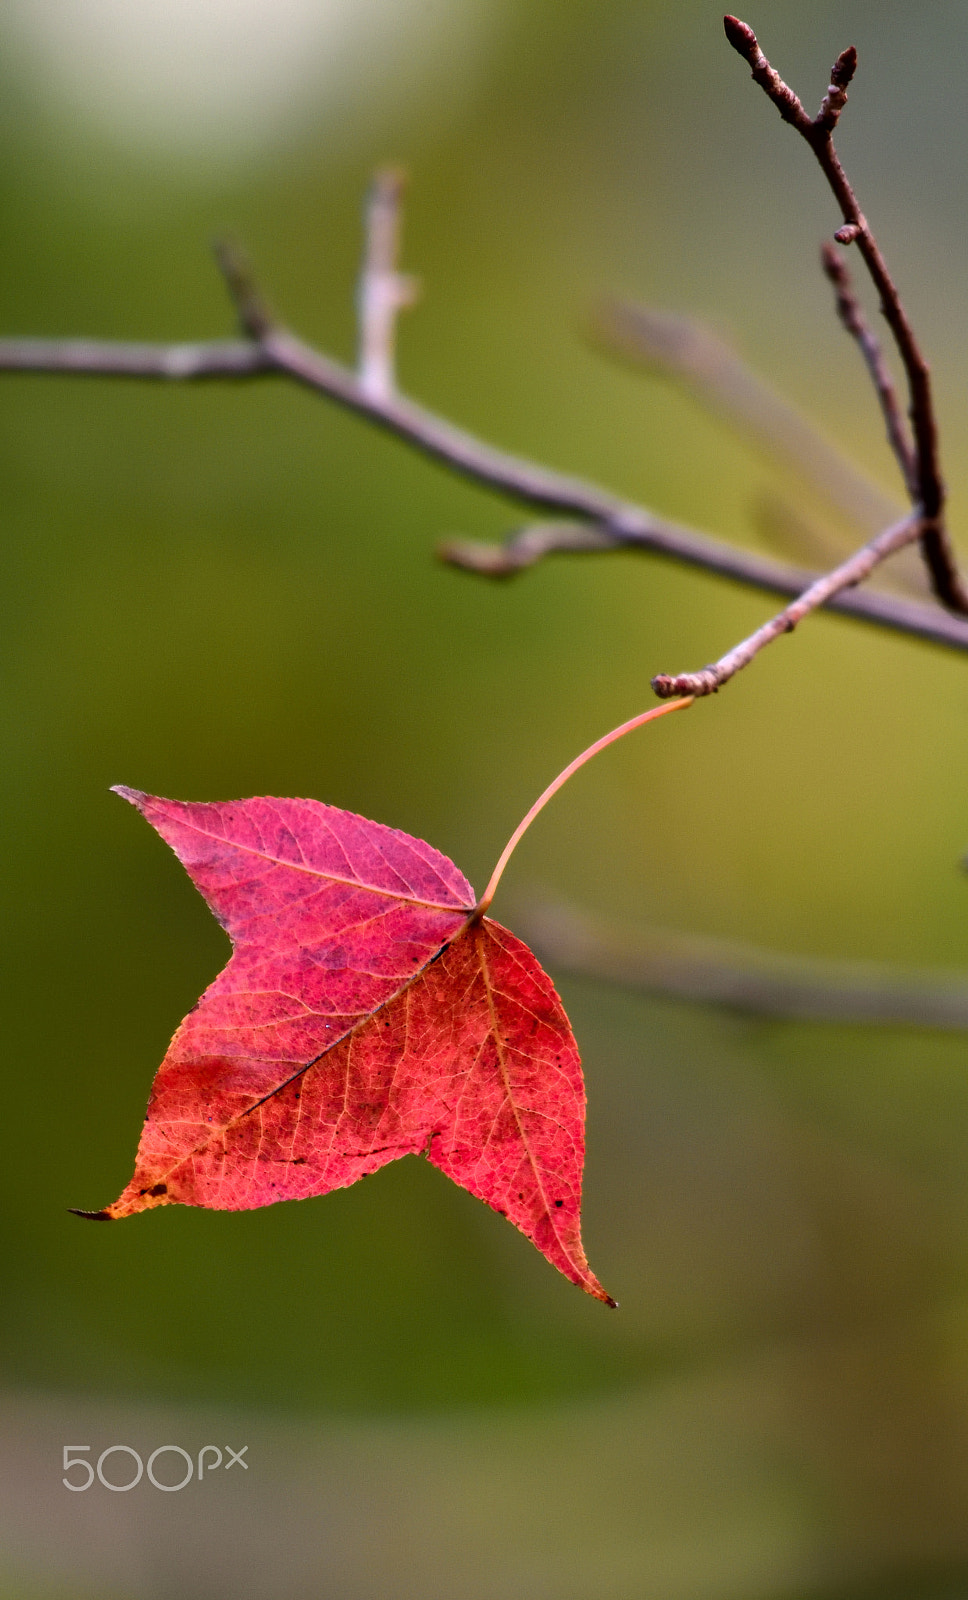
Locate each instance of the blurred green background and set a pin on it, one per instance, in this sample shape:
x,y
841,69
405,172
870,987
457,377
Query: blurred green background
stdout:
x,y
229,590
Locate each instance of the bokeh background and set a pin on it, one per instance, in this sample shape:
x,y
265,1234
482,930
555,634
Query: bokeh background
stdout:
x,y
221,591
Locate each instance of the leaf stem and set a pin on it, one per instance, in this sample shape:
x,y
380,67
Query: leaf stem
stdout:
x,y
559,782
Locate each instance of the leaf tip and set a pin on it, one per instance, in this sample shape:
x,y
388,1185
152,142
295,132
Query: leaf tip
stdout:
x,y
135,797
92,1216
592,1286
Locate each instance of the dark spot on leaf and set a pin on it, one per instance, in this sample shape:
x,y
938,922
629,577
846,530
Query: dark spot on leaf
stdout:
x,y
559,1202
159,1188
300,1161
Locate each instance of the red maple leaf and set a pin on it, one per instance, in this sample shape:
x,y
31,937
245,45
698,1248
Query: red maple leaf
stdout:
x,y
369,1010
366,1013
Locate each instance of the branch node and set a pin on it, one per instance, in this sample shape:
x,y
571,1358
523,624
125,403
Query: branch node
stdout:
x,y
707,681
848,233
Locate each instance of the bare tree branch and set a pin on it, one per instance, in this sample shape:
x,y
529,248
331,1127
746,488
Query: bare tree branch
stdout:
x,y
605,521
741,977
613,523
918,463
110,358
527,546
854,570
927,487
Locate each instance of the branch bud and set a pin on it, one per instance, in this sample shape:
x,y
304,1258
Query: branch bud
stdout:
x,y
844,67
835,99
742,38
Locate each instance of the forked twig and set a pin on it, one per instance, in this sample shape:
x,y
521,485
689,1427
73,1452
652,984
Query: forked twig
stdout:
x,y
918,460
926,488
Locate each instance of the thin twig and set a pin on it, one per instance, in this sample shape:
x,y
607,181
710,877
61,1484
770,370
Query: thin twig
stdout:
x,y
741,977
255,316
854,570
919,464
689,352
383,291
856,324
927,490
525,547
